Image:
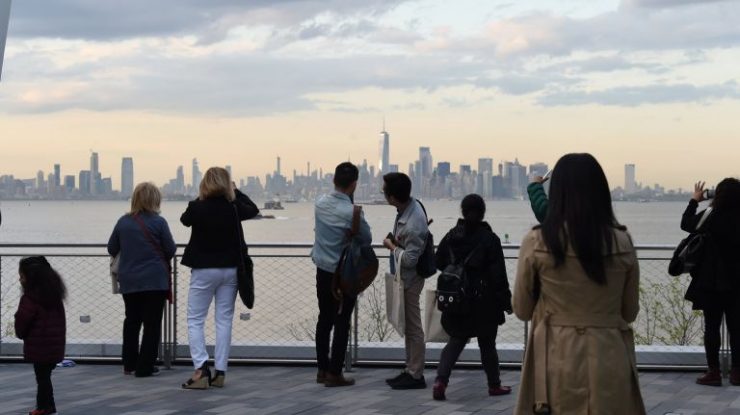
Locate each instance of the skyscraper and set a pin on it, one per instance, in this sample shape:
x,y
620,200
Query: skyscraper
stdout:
x,y
485,177
40,180
630,186
385,152
94,174
84,182
180,181
196,177
127,176
57,176
425,162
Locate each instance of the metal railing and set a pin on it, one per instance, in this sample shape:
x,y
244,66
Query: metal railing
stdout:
x,y
282,324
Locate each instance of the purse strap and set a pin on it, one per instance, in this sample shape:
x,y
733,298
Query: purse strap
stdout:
x,y
239,238
152,242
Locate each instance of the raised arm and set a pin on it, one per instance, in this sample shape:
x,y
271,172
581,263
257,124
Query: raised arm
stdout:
x,y
244,206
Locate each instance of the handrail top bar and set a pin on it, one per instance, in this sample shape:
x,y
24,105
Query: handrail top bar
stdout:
x,y
290,245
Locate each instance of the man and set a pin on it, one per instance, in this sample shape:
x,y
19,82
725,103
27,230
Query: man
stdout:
x,y
333,223
409,237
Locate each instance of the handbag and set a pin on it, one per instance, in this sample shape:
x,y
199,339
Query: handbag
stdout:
x,y
158,249
433,330
427,264
358,264
244,269
690,250
394,299
115,286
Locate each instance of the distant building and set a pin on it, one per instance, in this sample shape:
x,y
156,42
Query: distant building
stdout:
x,y
485,177
57,176
40,180
197,177
425,162
84,182
94,184
630,185
385,152
443,169
180,181
69,184
127,176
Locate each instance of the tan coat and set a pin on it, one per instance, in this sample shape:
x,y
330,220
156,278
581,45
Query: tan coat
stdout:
x,y
580,356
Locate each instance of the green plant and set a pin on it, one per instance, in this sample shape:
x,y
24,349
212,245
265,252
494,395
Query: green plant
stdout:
x,y
665,317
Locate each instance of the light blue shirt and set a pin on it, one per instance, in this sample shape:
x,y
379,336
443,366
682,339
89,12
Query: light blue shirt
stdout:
x,y
333,214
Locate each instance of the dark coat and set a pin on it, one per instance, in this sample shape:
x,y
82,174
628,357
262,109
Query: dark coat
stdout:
x,y
717,276
486,271
213,240
42,329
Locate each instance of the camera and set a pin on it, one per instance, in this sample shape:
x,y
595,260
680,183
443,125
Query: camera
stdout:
x,y
709,194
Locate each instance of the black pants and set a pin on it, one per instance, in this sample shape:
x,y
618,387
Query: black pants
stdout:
x,y
44,391
142,309
730,308
330,316
488,355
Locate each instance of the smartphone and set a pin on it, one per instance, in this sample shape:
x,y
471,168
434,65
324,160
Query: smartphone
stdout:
x,y
547,175
709,194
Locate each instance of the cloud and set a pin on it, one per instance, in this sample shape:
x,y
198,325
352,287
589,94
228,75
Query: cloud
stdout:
x,y
666,3
96,20
632,96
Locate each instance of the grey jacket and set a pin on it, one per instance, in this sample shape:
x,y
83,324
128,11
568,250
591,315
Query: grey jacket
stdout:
x,y
410,232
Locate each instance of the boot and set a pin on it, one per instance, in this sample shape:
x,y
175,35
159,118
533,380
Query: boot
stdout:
x,y
712,378
321,376
335,381
438,390
735,376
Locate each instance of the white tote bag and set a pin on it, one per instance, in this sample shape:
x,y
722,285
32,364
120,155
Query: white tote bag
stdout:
x,y
115,287
433,331
394,299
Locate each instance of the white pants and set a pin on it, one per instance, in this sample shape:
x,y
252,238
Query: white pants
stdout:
x,y
205,284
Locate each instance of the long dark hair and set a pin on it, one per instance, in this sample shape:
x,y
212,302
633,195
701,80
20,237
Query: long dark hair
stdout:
x,y
580,213
727,196
473,209
42,282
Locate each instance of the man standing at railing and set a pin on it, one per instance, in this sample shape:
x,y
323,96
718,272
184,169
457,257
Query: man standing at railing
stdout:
x,y
333,222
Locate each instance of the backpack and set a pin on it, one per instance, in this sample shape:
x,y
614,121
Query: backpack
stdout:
x,y
358,264
454,293
690,250
427,265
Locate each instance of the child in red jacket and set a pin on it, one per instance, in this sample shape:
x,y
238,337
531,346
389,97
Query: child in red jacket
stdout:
x,y
40,323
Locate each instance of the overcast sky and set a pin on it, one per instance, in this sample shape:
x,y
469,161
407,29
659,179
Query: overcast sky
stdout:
x,y
650,82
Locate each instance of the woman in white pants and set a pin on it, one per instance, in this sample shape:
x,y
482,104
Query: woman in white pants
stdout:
x,y
216,243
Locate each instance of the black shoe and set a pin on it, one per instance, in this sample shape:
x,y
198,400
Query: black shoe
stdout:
x,y
398,378
410,383
154,372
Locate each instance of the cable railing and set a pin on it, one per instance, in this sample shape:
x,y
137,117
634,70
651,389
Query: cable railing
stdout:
x,y
281,327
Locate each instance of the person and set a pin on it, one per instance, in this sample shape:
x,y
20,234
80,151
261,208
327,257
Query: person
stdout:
x,y
538,198
143,241
409,237
578,282
472,240
40,322
714,287
333,220
213,252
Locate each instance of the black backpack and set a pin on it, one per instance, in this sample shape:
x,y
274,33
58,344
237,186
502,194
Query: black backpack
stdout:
x,y
454,293
427,265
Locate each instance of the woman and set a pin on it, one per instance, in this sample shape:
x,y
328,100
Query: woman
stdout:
x,y
473,243
213,252
144,244
578,281
714,285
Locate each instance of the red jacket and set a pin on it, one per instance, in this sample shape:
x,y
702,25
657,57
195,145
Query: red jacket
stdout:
x,y
43,331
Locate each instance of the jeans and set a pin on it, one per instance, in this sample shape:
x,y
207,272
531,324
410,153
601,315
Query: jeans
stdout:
x,y
330,316
730,308
44,391
142,309
205,285
488,355
414,332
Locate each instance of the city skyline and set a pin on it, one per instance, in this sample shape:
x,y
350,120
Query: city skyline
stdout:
x,y
649,82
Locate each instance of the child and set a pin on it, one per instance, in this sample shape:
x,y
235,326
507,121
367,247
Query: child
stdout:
x,y
40,323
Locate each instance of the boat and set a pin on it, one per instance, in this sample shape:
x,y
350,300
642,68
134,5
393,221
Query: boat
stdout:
x,y
273,205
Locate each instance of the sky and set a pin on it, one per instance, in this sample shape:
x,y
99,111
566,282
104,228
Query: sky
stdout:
x,y
649,82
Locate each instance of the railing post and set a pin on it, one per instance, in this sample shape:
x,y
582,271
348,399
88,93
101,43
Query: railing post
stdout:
x,y
173,320
724,358
2,329
356,329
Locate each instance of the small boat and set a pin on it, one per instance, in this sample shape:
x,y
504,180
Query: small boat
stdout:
x,y
273,205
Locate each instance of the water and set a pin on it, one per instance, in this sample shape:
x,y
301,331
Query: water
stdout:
x,y
93,221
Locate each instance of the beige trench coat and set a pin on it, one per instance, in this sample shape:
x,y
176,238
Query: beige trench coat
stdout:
x,y
580,356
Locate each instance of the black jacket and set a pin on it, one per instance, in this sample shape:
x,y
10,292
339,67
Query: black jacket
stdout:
x,y
719,271
486,271
216,235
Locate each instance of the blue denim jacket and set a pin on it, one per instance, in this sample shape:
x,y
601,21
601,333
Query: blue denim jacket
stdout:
x,y
410,231
333,221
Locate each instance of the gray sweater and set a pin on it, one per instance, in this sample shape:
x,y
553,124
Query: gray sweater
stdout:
x,y
140,266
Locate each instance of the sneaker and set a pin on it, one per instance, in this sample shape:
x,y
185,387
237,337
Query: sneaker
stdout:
x,y
42,412
711,378
335,381
499,390
321,376
438,391
398,378
409,382
154,372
